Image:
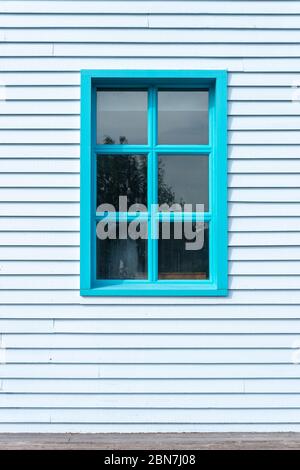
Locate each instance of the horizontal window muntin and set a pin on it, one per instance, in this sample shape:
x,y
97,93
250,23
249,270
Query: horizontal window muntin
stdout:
x,y
160,216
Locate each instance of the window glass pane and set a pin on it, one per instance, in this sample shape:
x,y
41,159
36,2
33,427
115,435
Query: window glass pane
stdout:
x,y
183,117
122,259
183,179
121,175
122,117
176,260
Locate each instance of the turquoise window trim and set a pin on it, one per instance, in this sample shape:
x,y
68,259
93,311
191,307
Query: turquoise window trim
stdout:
x,y
216,82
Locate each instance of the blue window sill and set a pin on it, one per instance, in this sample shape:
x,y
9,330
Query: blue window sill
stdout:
x,y
159,290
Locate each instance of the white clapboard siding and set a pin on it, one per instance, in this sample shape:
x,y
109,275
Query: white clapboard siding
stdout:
x,y
43,224
149,371
260,122
262,7
265,253
149,50
39,166
150,325
64,93
142,416
76,364
266,151
260,165
170,386
264,210
148,356
39,194
150,310
237,21
56,77
263,93
285,78
262,181
157,49
69,297
188,386
39,180
23,209
45,122
135,386
149,35
39,267
35,107
287,268
57,253
150,341
162,325
186,50
264,195
262,137
181,17
70,64
125,401
270,108
264,224
40,136
145,427
119,427
70,21
39,151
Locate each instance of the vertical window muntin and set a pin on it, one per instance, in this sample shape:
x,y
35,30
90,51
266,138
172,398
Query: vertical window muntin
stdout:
x,y
152,149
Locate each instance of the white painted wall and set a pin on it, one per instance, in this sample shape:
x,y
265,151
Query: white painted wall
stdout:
x,y
194,364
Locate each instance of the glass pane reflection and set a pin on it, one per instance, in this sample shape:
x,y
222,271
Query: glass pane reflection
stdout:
x,y
183,117
122,117
183,179
175,261
122,259
121,175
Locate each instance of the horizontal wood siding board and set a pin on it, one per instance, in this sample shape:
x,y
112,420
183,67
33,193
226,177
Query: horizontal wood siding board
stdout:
x,y
169,7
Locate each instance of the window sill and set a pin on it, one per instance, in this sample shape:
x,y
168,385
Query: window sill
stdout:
x,y
156,290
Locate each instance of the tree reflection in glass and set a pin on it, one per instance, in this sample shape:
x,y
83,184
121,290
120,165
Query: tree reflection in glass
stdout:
x,y
121,175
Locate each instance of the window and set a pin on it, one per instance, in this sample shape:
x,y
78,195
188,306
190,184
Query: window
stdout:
x,y
153,183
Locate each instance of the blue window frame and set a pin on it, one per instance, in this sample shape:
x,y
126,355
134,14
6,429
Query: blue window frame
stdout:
x,y
214,282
